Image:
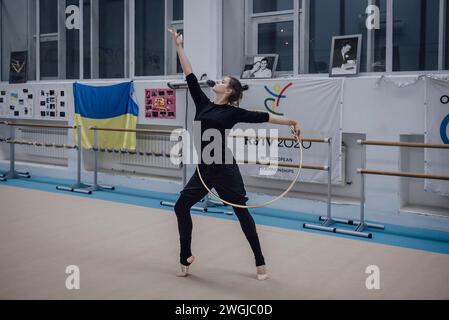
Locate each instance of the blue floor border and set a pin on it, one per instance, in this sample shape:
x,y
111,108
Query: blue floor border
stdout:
x,y
393,235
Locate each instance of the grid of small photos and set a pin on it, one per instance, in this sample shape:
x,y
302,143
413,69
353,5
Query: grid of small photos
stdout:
x,y
16,103
52,104
160,103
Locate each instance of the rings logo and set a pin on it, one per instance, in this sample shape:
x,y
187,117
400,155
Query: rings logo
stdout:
x,y
278,94
444,124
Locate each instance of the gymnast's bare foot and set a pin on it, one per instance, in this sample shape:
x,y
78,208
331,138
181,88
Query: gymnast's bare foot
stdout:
x,y
185,269
262,273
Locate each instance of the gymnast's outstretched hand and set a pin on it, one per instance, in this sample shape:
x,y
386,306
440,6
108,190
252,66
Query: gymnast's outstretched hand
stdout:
x,y
177,37
293,124
185,63
296,131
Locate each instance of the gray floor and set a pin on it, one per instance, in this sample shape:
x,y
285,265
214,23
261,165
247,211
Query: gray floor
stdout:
x,y
130,252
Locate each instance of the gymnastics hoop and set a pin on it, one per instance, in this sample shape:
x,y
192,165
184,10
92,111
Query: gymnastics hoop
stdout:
x,y
267,202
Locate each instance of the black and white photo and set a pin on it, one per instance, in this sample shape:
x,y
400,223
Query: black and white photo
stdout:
x,y
345,55
260,66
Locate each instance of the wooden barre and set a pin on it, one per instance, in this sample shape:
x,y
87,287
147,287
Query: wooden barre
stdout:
x,y
280,138
133,130
38,125
285,165
403,174
403,144
240,136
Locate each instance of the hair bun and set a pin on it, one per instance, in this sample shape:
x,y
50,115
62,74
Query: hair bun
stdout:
x,y
245,87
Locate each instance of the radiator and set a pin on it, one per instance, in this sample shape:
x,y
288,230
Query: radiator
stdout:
x,y
46,135
145,143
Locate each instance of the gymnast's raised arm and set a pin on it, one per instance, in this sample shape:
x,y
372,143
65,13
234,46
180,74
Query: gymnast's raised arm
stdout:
x,y
198,96
185,63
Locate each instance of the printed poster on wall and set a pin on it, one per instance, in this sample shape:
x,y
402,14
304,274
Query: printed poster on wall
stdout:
x,y
317,105
437,132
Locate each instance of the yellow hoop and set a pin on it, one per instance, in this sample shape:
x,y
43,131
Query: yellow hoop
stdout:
x,y
262,204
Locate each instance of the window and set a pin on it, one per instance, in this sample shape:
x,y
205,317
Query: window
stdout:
x,y
109,48
106,37
175,17
72,48
152,56
48,12
178,10
446,35
415,35
48,39
260,6
345,17
272,31
87,61
149,37
277,38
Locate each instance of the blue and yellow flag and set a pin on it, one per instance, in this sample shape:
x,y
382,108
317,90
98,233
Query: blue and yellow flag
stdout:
x,y
109,107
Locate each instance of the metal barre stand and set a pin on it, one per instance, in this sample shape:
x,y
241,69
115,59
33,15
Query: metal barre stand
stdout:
x,y
78,187
328,221
362,224
12,173
95,186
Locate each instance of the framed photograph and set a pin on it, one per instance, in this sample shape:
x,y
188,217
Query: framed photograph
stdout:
x,y
345,55
18,67
261,66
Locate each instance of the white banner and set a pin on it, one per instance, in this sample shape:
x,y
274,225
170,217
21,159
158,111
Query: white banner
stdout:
x,y
437,131
317,105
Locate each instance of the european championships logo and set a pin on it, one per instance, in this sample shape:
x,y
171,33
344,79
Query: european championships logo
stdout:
x,y
277,93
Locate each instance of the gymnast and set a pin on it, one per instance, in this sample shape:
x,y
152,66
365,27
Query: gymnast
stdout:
x,y
221,114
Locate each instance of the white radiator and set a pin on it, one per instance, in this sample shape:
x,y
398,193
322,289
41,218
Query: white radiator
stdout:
x,y
44,135
157,144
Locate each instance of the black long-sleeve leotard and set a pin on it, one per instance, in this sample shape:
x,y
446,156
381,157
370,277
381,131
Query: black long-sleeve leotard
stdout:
x,y
220,117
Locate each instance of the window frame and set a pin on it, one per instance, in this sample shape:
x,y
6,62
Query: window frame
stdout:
x,y
268,20
300,15
169,49
441,31
47,37
251,27
129,42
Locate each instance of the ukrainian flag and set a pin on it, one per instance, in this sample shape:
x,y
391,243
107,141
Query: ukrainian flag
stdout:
x,y
106,106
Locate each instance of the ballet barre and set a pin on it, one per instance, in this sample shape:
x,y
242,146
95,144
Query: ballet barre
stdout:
x,y
12,141
364,171
362,225
95,186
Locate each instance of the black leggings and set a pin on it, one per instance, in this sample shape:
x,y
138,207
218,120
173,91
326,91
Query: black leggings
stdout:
x,y
227,181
